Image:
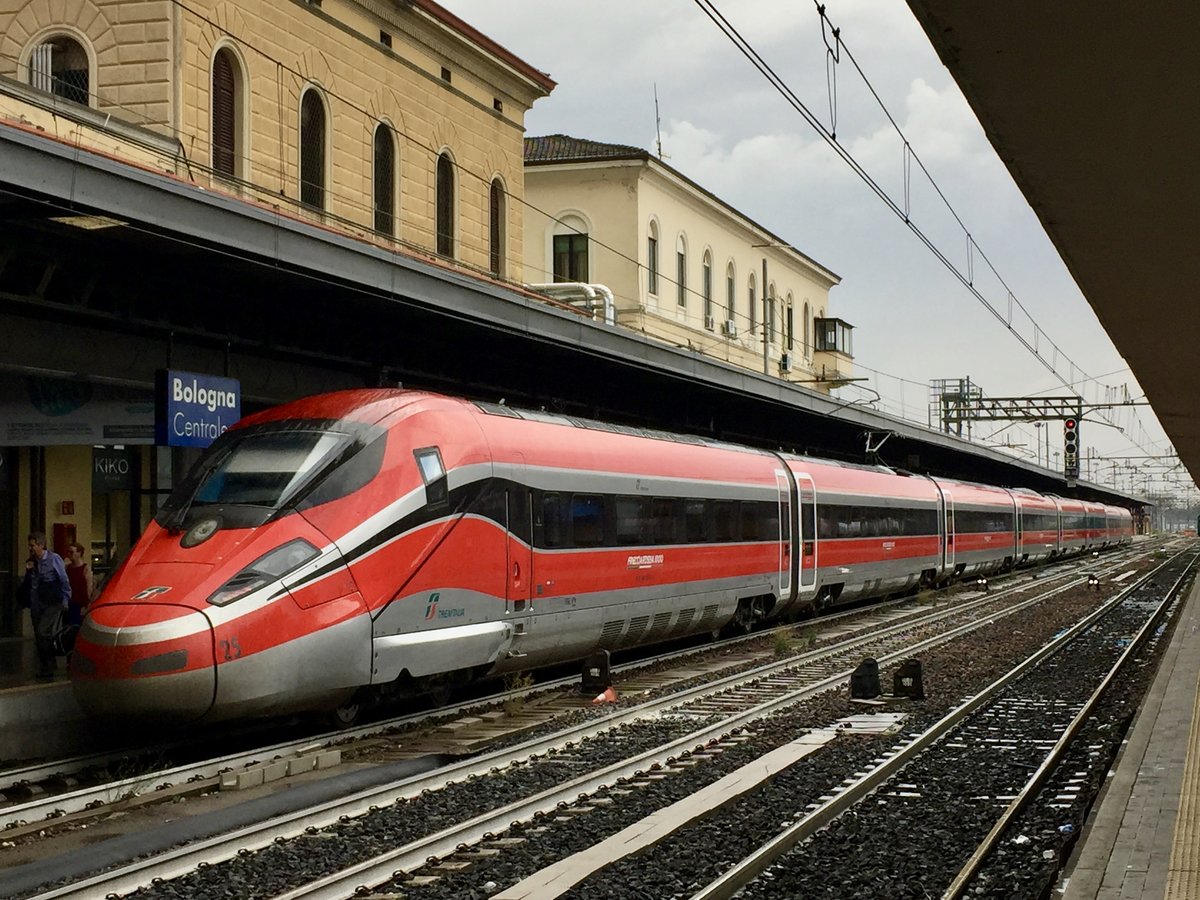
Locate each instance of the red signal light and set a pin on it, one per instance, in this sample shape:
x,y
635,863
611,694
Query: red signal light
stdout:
x,y
1070,423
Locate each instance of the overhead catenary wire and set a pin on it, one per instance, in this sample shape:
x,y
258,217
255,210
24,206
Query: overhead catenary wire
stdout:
x,y
900,209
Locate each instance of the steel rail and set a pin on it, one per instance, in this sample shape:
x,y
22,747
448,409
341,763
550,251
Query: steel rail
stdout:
x,y
752,866
417,854
44,810
1027,794
181,860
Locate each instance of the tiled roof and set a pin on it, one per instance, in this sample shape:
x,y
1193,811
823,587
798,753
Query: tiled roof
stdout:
x,y
562,147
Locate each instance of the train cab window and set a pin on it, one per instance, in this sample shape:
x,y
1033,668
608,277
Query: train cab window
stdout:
x,y
433,473
587,520
267,469
357,466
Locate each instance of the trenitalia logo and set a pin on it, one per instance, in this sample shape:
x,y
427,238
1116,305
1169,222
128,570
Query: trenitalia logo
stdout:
x,y
645,561
431,609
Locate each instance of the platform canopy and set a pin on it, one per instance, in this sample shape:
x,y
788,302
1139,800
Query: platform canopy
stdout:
x,y
1095,109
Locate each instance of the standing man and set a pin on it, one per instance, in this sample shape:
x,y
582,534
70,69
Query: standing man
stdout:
x,y
49,597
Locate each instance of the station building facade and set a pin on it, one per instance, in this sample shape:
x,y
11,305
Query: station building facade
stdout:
x,y
396,124
683,266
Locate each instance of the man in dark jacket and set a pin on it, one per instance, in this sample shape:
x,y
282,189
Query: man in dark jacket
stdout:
x,y
49,592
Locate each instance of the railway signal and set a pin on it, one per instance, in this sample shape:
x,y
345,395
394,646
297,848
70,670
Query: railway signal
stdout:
x,y
1071,448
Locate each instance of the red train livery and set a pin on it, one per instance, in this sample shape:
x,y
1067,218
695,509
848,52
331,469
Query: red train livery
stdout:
x,y
373,542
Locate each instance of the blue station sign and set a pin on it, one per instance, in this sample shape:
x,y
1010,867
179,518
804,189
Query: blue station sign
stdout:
x,y
193,410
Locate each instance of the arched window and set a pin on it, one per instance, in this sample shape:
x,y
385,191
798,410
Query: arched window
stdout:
x,y
569,249
753,305
60,66
496,227
385,180
706,283
769,330
730,296
226,114
445,205
790,325
681,270
652,259
807,336
312,150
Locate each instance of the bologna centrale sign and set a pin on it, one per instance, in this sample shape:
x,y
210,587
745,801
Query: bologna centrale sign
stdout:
x,y
192,409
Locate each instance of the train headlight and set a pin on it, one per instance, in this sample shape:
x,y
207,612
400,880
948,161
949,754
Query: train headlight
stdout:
x,y
264,570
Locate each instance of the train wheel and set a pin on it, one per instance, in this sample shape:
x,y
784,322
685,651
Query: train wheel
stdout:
x,y
346,715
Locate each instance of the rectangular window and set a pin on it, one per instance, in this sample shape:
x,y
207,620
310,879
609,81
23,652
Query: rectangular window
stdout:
x,y
729,297
555,521
753,310
681,277
385,39
587,520
571,257
791,333
652,265
694,524
662,517
630,515
770,330
723,521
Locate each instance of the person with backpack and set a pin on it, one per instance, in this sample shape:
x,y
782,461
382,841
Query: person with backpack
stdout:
x,y
48,589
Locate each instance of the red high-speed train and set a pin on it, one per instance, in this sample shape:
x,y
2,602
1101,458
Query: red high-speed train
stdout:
x,y
387,540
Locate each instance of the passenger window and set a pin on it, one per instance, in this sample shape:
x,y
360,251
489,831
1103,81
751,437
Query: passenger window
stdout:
x,y
587,519
694,521
631,519
555,521
662,514
723,520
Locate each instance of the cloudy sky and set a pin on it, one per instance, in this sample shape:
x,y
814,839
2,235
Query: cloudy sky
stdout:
x,y
724,126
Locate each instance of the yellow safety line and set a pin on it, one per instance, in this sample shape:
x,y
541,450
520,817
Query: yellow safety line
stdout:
x,y
1183,873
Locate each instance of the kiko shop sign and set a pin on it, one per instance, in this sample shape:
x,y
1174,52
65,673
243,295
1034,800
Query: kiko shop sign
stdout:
x,y
193,410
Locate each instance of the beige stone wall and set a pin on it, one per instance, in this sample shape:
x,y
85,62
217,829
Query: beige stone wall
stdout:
x,y
129,43
620,200
152,63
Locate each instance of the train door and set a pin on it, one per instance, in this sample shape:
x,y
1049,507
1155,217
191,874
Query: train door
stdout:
x,y
948,543
519,571
784,483
808,532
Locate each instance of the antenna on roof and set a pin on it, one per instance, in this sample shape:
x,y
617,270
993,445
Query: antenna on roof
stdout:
x,y
657,123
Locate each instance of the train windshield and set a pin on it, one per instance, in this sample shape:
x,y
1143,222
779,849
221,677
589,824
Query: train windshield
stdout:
x,y
249,475
267,469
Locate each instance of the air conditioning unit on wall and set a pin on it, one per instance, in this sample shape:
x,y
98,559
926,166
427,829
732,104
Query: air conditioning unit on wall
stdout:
x,y
710,323
730,328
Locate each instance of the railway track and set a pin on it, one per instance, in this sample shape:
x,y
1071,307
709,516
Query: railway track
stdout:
x,y
67,791
636,744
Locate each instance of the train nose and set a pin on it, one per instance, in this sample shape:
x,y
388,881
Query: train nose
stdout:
x,y
146,661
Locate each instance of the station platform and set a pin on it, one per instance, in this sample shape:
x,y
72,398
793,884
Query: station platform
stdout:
x,y
39,718
1142,838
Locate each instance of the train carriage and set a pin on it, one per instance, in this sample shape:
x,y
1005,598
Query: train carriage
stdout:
x,y
1072,525
381,542
1119,525
864,531
398,539
981,527
1037,527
